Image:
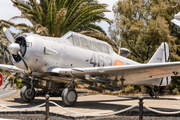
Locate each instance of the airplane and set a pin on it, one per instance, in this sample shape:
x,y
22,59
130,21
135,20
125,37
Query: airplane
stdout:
x,y
75,58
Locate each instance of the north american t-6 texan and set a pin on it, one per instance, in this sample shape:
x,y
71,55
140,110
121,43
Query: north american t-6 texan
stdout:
x,y
76,58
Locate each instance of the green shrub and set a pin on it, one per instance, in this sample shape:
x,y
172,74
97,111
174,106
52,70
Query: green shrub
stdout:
x,y
129,89
175,91
143,89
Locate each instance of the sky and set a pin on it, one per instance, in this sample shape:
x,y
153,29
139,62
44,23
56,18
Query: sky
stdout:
x,y
7,10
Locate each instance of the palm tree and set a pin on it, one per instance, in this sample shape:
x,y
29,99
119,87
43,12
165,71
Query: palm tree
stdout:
x,y
4,52
57,17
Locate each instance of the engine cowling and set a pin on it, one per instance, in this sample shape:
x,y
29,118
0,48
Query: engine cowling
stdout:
x,y
31,48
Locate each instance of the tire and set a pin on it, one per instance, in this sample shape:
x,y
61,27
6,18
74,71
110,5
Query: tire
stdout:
x,y
152,93
25,94
69,96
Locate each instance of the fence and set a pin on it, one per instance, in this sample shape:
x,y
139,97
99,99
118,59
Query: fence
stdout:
x,y
95,115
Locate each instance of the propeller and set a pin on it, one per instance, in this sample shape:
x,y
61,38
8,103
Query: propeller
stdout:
x,y
29,70
14,48
8,35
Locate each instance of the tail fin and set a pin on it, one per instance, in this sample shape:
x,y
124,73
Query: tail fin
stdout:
x,y
161,56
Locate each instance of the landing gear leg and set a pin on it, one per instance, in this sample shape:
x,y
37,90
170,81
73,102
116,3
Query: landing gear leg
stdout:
x,y
69,95
72,82
122,83
31,83
152,92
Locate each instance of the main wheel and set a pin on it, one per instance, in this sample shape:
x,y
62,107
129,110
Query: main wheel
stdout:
x,y
26,96
69,96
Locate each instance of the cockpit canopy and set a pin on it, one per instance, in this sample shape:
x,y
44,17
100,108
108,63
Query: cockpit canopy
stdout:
x,y
86,42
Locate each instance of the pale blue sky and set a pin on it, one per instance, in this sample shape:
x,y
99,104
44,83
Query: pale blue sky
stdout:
x,y
7,11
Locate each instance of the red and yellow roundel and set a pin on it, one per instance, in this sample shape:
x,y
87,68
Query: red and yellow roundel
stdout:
x,y
118,62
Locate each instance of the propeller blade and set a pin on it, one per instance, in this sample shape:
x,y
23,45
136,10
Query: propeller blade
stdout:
x,y
29,70
8,35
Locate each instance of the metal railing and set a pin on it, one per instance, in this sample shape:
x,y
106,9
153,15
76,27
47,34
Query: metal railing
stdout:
x,y
141,106
95,115
22,108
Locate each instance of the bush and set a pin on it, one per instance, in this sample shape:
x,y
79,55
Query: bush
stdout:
x,y
129,89
175,91
144,89
19,84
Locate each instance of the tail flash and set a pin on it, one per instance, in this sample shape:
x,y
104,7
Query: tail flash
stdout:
x,y
165,81
161,56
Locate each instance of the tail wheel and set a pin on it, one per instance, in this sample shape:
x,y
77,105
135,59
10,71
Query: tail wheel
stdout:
x,y
152,93
69,96
26,96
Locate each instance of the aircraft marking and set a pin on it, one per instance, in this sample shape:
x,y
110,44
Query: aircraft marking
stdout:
x,y
160,59
118,62
29,44
157,71
93,60
100,61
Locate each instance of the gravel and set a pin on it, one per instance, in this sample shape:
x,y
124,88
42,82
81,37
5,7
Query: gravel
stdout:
x,y
114,117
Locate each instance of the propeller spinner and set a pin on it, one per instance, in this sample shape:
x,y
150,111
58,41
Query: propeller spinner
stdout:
x,y
15,48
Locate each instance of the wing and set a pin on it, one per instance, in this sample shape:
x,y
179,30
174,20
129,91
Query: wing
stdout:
x,y
11,68
138,72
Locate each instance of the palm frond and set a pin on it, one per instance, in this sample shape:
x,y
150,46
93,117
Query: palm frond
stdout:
x,y
16,17
56,17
